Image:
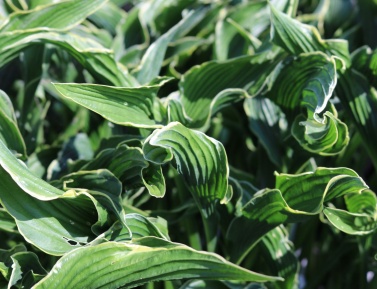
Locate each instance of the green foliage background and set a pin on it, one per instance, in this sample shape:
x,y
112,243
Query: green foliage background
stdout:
x,y
188,144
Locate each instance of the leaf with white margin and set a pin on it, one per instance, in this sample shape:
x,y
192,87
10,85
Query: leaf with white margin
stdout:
x,y
201,160
126,106
127,265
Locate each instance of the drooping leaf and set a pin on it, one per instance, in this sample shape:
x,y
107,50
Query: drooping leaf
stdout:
x,y
207,88
92,55
64,223
58,16
144,260
121,105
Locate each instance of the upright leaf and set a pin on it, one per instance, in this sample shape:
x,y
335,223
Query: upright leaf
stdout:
x,y
201,161
151,62
296,37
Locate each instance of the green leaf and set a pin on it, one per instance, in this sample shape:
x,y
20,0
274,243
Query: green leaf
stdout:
x,y
93,56
7,222
26,269
227,40
145,260
359,99
327,138
309,81
102,185
24,178
295,198
121,105
281,257
125,162
152,60
296,37
10,133
201,161
70,14
65,224
207,88
268,123
140,226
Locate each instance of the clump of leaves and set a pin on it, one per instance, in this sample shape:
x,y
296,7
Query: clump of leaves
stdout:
x,y
188,144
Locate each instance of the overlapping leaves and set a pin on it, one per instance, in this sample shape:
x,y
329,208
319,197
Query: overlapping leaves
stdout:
x,y
296,197
195,62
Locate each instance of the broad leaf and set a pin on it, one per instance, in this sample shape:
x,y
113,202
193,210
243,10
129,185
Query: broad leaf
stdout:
x,y
296,37
63,15
268,123
314,79
207,88
147,259
64,223
297,197
92,55
200,159
121,105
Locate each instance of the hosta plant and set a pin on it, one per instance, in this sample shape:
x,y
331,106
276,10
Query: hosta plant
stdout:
x,y
188,144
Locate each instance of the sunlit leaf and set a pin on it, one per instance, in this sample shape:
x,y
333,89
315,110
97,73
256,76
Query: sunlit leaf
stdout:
x,y
200,159
121,105
147,259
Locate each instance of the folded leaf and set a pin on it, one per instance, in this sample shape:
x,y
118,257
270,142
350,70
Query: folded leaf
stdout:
x,y
201,161
297,197
308,81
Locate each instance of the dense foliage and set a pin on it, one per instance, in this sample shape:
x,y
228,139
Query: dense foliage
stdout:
x,y
188,144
